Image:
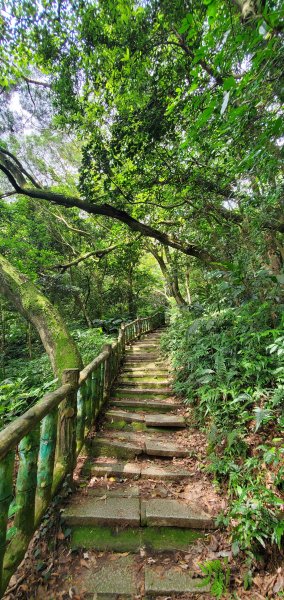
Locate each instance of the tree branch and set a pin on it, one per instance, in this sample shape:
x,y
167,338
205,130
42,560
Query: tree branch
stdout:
x,y
79,259
108,211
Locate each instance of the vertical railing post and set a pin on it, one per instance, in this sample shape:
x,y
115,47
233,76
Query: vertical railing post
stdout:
x,y
107,373
46,461
122,337
66,451
6,489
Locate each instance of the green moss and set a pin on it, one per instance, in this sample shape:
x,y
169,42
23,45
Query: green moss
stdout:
x,y
124,394
158,539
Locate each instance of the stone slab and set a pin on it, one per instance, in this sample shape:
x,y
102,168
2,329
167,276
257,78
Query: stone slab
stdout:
x,y
171,581
161,420
129,392
115,577
113,448
145,404
154,448
103,510
167,512
160,385
123,415
119,469
132,491
166,474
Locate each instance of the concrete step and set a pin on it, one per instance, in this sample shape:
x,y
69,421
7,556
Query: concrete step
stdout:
x,y
146,405
129,470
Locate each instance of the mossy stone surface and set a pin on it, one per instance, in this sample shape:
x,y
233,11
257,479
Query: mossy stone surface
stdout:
x,y
158,539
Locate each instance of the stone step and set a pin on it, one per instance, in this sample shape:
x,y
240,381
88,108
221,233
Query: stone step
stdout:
x,y
137,374
165,449
119,539
119,510
125,508
141,384
162,420
122,470
168,512
127,445
141,393
112,578
104,446
171,581
147,405
124,415
157,420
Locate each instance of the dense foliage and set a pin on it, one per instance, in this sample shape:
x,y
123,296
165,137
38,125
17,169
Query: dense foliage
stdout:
x,y
141,165
229,366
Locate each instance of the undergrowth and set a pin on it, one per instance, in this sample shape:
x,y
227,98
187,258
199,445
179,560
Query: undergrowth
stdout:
x,y
229,367
26,381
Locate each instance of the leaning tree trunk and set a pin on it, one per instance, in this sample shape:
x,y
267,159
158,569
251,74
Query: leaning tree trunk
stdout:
x,y
39,311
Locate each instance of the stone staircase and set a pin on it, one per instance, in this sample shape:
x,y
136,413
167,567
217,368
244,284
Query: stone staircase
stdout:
x,y
143,433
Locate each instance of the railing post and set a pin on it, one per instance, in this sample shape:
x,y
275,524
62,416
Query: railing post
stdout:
x,y
66,450
122,337
6,490
107,373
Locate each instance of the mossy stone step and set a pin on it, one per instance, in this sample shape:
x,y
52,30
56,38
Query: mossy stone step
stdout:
x,y
117,539
124,415
171,581
130,392
144,375
129,447
134,470
156,420
146,405
104,446
141,384
121,470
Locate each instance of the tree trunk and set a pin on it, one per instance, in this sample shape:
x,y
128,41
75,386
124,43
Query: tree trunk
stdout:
x,y
39,311
171,279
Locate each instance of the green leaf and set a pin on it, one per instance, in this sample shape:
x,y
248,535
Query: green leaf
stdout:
x,y
229,83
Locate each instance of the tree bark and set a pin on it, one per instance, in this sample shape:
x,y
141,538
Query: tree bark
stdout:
x,y
171,279
39,311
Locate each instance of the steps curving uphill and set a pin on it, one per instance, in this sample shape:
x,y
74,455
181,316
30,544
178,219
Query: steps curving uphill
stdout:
x,y
142,436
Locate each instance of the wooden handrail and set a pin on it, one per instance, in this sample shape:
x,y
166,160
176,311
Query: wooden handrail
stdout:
x,y
48,438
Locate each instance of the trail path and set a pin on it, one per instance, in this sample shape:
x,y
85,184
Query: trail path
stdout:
x,y
144,507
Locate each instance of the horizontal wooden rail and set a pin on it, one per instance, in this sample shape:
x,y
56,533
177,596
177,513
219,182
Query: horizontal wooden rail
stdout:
x,y
39,449
15,431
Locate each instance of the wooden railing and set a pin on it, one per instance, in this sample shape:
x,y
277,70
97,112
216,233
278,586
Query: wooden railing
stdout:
x,y
39,449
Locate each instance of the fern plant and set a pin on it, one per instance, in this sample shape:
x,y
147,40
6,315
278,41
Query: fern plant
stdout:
x,y
217,575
